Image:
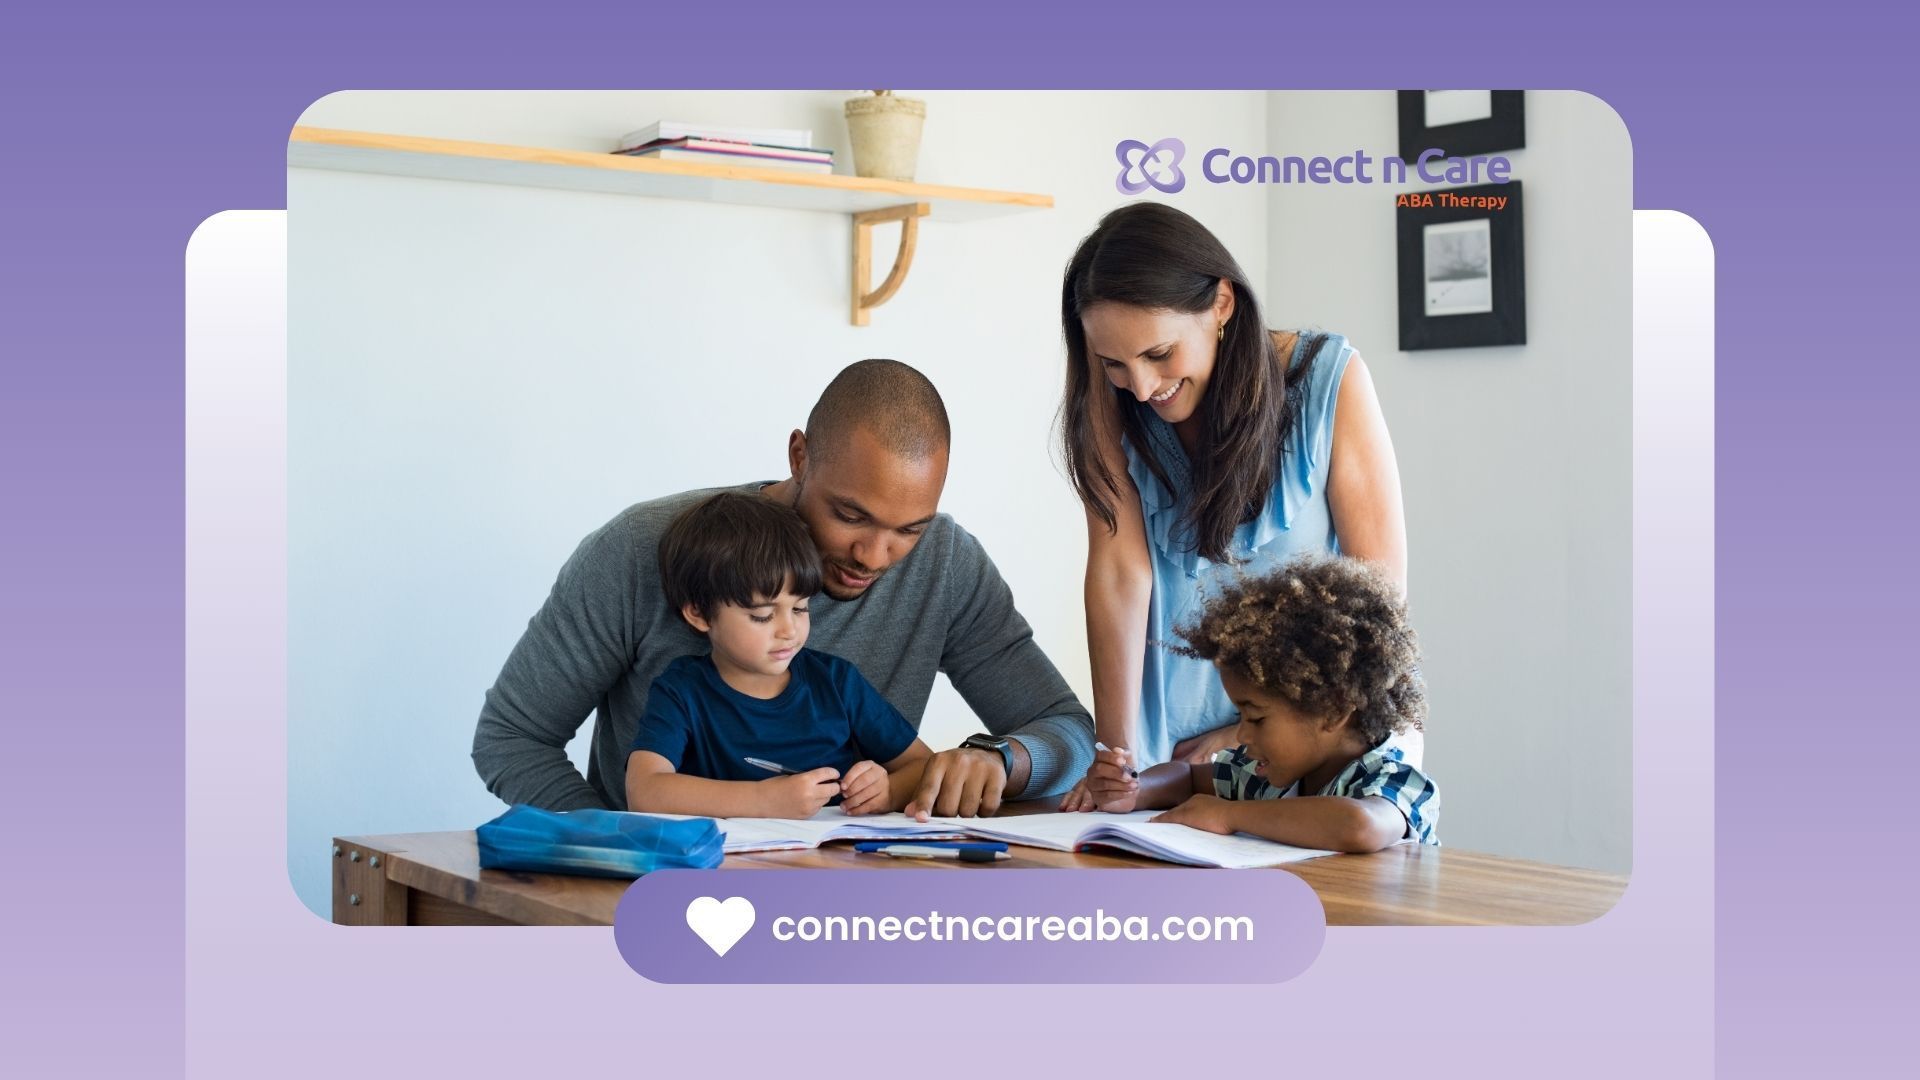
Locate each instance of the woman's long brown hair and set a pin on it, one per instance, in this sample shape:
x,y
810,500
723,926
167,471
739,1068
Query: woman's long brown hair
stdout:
x,y
1149,255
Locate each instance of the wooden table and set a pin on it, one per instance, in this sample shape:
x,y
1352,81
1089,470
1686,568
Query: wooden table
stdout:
x,y
435,879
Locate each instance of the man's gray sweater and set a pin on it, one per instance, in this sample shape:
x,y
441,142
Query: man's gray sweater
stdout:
x,y
606,631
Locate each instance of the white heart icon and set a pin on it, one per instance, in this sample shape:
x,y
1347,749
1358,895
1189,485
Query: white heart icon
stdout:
x,y
721,924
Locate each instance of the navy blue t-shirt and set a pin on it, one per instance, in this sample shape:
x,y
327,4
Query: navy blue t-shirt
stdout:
x,y
829,716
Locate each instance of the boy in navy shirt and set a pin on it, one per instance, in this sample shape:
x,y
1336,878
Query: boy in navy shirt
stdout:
x,y
760,727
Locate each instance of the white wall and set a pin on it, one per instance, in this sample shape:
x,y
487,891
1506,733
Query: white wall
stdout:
x,y
478,376
481,375
1516,466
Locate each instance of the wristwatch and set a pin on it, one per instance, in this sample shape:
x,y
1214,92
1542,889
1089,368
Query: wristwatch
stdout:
x,y
996,743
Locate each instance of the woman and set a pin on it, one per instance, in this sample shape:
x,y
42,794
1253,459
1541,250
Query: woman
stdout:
x,y
1200,444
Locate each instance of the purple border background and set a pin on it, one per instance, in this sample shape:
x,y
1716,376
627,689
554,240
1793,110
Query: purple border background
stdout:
x,y
1779,134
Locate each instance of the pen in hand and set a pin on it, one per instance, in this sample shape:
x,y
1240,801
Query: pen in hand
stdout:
x,y
810,802
1131,771
776,767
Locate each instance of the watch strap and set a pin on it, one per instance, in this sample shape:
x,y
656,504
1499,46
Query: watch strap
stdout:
x,y
1002,746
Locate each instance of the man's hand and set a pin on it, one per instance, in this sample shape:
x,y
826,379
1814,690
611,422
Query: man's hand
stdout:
x,y
1208,813
1200,749
864,789
800,795
966,783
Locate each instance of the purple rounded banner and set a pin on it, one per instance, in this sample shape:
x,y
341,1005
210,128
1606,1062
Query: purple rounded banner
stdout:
x,y
970,925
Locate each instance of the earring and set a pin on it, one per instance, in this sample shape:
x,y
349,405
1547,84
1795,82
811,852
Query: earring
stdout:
x,y
1223,333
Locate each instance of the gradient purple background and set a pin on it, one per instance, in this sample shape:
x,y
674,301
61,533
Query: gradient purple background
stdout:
x,y
1776,129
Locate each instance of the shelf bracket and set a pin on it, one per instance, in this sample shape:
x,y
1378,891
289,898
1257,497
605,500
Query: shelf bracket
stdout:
x,y
863,222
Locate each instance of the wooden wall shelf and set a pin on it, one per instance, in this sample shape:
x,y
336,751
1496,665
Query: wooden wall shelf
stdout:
x,y
867,202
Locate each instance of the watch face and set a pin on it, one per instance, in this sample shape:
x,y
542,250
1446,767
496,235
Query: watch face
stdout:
x,y
994,743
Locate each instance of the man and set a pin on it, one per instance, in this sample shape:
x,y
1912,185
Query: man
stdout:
x,y
908,593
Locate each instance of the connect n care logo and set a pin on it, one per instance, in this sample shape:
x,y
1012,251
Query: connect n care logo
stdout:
x,y
1156,166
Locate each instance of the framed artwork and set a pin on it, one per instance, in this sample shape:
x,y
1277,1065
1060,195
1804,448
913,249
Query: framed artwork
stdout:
x,y
1461,122
1462,267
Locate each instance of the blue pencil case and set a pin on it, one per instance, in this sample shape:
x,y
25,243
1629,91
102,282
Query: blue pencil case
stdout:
x,y
597,843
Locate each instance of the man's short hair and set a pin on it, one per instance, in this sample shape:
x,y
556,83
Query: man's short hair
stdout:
x,y
888,399
739,549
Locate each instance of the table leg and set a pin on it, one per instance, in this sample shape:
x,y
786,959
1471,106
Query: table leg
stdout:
x,y
362,895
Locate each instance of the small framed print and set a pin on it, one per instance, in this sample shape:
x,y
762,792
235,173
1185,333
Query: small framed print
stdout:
x,y
1462,123
1462,263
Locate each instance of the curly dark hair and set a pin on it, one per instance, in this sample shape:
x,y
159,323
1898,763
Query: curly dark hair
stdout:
x,y
1330,635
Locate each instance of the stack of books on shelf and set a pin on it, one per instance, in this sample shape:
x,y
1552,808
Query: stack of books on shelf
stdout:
x,y
759,148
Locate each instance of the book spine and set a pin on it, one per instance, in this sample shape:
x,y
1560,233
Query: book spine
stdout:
x,y
680,153
728,146
642,137
797,153
668,130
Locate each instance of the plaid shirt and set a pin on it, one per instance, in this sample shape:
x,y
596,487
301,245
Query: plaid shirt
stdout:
x,y
1381,771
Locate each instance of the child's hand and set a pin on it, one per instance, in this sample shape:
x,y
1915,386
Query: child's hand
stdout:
x,y
1077,800
802,794
864,790
1208,813
1112,782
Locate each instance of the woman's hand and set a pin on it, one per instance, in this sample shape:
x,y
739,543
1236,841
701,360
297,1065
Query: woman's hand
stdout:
x,y
864,790
1200,749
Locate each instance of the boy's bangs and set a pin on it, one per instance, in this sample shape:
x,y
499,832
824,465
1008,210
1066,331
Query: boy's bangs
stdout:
x,y
770,565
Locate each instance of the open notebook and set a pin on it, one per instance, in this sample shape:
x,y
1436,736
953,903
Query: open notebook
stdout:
x,y
1137,834
794,834
1056,832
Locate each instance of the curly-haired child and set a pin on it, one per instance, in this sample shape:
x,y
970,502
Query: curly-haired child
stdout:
x,y
1320,661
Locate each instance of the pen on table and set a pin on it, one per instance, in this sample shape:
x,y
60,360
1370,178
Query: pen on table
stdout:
x,y
1131,771
925,851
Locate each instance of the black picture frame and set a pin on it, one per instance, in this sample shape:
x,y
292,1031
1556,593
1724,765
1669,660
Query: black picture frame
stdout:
x,y
1502,295
1506,129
